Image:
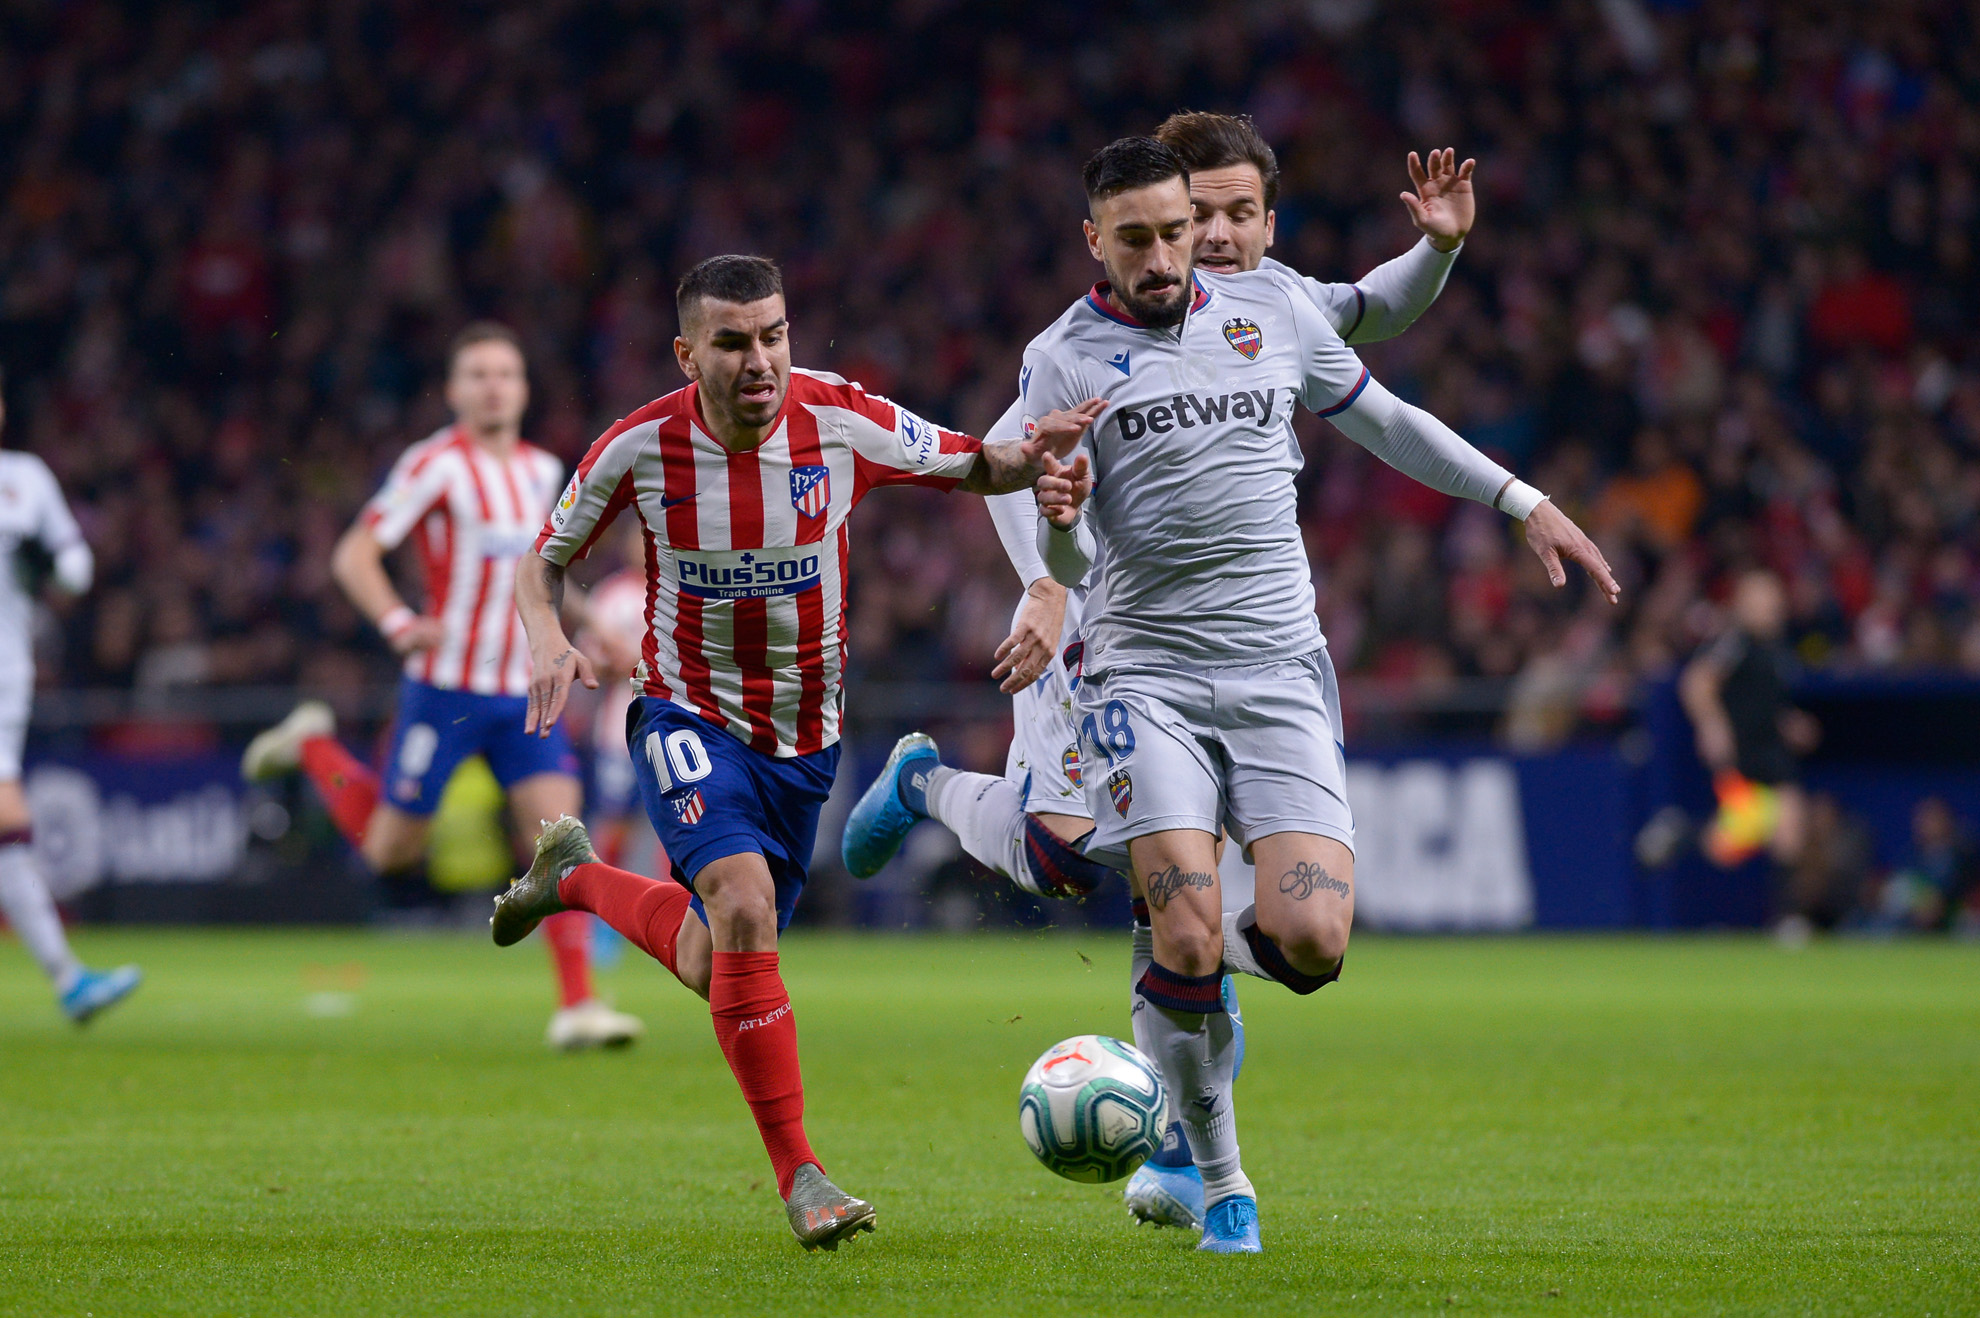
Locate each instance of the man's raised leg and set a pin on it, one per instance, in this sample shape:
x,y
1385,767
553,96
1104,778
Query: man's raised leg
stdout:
x,y
986,813
1297,931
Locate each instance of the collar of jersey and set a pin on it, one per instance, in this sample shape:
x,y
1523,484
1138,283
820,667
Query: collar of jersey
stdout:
x,y
1098,297
701,427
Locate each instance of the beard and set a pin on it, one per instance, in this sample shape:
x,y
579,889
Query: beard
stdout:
x,y
1158,308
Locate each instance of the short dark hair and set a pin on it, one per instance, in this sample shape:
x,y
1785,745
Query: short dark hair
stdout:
x,y
1217,141
1130,163
738,279
482,331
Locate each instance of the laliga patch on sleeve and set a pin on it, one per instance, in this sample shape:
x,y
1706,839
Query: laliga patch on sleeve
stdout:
x,y
565,504
918,438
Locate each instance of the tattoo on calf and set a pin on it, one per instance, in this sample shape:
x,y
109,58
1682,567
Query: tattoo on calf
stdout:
x,y
1303,880
1163,885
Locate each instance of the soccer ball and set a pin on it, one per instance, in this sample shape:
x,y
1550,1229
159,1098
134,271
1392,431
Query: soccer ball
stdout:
x,y
1092,1108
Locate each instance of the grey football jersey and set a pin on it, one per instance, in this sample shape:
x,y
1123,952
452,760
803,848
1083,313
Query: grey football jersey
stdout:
x,y
1201,560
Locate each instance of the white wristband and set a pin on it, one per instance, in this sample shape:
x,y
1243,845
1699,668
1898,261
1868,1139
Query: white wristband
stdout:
x,y
1518,499
395,622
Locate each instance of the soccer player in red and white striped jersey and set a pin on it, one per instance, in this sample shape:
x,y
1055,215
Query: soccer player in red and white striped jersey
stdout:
x,y
471,496
742,483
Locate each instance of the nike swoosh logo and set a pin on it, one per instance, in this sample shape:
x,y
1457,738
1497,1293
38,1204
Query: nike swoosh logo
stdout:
x,y
665,503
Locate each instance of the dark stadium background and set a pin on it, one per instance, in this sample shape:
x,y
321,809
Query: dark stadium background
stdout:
x,y
1719,304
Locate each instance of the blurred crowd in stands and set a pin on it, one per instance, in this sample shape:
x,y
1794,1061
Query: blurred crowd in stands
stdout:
x,y
1718,303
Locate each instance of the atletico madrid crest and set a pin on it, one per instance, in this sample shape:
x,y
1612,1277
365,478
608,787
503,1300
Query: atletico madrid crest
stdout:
x,y
1121,788
690,808
1070,763
1245,336
811,490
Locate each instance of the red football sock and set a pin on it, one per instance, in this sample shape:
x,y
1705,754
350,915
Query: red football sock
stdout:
x,y
758,1034
347,787
647,911
569,936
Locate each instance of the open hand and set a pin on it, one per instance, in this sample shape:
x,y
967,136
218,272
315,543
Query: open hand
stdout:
x,y
420,634
1062,489
1034,638
1058,433
1442,206
552,675
1551,535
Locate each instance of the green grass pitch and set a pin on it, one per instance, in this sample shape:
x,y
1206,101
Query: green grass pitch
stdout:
x,y
1533,1125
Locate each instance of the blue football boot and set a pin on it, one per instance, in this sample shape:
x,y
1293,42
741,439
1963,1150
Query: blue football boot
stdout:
x,y
882,816
1166,1196
96,990
1237,1024
1231,1227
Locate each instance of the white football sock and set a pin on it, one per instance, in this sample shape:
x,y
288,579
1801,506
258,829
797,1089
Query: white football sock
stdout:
x,y
1238,957
1142,957
31,912
1197,1054
985,812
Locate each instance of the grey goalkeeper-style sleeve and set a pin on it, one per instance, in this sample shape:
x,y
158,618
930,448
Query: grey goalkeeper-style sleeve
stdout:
x,y
1015,515
1420,446
1068,555
1385,301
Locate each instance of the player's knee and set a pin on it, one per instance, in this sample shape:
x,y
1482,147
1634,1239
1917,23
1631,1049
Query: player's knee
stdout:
x,y
1195,949
739,912
385,852
1312,941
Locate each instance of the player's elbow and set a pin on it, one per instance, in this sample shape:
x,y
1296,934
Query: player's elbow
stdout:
x,y
355,550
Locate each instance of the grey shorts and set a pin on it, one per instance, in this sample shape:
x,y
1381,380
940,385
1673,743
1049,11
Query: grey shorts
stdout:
x,y
1253,751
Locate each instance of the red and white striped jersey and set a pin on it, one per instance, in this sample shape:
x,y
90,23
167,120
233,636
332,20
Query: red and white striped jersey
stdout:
x,y
746,552
475,515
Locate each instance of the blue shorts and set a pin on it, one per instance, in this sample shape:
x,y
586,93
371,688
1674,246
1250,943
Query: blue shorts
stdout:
x,y
435,730
710,796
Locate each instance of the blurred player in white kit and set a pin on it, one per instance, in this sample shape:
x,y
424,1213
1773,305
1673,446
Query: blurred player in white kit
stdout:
x,y
42,547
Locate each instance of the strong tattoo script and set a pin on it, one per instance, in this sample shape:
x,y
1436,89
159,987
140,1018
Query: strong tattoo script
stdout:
x,y
1163,885
1303,880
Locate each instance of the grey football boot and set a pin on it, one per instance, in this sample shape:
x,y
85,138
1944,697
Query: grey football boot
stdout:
x,y
821,1213
561,847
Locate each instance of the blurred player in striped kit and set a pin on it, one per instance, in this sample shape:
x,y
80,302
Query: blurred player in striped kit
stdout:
x,y
41,548
471,495
742,483
1027,824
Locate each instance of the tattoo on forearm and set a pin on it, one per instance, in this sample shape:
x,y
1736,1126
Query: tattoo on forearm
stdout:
x,y
1001,468
1163,885
1303,880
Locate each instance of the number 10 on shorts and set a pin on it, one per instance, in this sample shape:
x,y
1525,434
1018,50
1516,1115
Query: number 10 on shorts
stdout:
x,y
677,759
1111,734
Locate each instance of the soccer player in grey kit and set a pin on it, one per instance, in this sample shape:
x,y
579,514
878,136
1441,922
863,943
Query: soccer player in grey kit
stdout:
x,y
1208,701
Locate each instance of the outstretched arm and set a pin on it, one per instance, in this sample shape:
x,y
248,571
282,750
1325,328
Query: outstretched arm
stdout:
x,y
1419,445
1005,465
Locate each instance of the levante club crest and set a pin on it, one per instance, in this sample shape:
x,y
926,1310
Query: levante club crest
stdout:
x,y
1245,337
1070,763
811,490
1121,788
